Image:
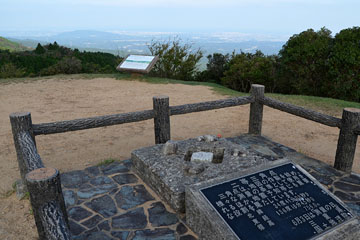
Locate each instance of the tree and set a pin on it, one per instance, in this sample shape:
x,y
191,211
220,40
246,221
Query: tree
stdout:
x,y
39,49
303,62
215,68
345,65
247,68
175,60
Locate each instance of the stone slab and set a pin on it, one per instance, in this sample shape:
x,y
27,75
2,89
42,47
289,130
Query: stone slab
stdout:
x,y
214,219
168,175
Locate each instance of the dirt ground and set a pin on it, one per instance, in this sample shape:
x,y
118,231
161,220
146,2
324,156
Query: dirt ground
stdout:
x,y
69,98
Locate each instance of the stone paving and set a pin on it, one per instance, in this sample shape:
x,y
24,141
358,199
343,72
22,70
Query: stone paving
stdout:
x,y
111,202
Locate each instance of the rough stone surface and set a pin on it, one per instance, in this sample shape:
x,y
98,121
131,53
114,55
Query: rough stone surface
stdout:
x,y
202,157
93,171
134,219
159,216
74,179
125,178
256,145
103,205
90,192
100,190
75,228
158,234
352,178
325,180
347,196
132,196
104,226
101,180
79,213
114,167
96,236
69,197
202,218
121,235
187,237
92,222
168,175
181,228
170,147
347,187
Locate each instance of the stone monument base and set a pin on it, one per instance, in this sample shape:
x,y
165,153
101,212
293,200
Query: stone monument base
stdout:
x,y
209,222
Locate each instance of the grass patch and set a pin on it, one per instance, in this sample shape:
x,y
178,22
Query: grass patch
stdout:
x,y
106,162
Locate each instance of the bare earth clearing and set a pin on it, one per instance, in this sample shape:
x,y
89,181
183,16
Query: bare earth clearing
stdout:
x,y
64,99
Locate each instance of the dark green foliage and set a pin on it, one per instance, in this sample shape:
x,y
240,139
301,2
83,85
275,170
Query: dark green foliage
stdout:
x,y
315,63
247,68
345,65
303,64
215,68
176,61
54,59
39,49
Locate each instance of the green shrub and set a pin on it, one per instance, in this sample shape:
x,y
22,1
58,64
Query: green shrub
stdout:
x,y
176,60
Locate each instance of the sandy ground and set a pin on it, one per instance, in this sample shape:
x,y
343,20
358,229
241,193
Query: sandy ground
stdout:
x,y
64,99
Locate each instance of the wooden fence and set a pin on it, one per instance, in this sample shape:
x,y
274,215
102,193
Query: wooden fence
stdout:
x,y
44,183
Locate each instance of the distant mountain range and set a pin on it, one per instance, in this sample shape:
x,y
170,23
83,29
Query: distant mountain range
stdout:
x,y
123,43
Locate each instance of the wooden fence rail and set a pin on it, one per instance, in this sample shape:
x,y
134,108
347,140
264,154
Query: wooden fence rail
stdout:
x,y
93,122
302,112
52,212
211,105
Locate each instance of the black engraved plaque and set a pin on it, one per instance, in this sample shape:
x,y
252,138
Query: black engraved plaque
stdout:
x,y
277,203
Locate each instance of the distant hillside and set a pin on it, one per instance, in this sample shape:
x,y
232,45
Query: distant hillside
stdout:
x,y
5,44
53,59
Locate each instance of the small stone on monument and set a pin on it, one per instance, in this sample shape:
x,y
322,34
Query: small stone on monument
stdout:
x,y
170,147
200,138
210,138
202,157
195,169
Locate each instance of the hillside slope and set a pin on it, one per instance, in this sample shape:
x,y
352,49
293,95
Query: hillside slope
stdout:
x,y
6,44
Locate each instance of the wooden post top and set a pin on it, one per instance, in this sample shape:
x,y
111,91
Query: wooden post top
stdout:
x,y
19,114
257,86
41,174
353,110
161,97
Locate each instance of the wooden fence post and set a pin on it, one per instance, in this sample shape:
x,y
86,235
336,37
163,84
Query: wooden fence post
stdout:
x,y
161,119
346,146
48,203
21,122
256,109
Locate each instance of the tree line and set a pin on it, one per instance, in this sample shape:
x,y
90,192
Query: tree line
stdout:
x,y
309,63
53,59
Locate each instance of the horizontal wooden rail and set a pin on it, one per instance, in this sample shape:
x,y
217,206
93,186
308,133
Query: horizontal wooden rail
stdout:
x,y
30,157
93,122
211,105
302,112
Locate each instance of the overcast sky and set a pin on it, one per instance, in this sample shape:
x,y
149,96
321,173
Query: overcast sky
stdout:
x,y
250,16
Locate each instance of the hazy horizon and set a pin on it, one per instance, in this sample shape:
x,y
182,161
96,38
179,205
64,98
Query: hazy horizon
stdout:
x,y
273,17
